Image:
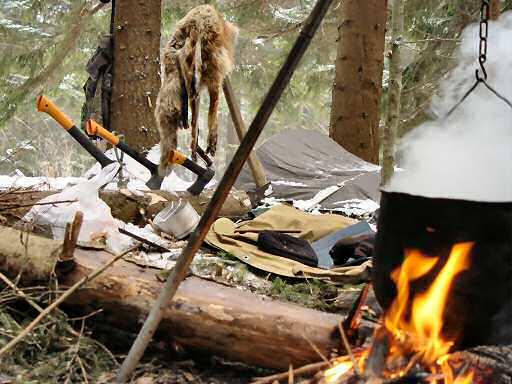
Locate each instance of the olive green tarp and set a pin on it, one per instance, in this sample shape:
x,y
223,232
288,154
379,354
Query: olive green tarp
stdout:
x,y
240,241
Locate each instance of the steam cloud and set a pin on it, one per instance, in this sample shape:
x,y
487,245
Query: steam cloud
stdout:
x,y
469,155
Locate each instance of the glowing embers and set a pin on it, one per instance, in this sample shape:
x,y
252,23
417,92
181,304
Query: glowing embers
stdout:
x,y
411,341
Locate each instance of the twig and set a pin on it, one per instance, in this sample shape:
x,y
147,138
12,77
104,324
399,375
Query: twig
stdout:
x,y
429,40
84,372
351,322
76,350
61,299
315,348
307,369
159,248
411,364
6,205
20,293
69,328
348,349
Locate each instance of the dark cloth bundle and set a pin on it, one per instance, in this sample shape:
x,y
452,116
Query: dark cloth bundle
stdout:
x,y
354,247
284,245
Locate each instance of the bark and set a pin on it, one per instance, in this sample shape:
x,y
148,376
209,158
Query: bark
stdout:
x,y
494,10
236,324
394,93
357,88
493,364
27,254
136,71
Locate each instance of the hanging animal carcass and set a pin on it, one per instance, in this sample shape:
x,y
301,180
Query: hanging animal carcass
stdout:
x,y
199,54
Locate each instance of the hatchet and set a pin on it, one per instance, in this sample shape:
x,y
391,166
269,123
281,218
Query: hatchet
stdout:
x,y
203,175
44,104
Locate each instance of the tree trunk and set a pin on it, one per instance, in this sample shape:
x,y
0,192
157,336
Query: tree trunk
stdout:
x,y
357,87
136,71
394,93
494,10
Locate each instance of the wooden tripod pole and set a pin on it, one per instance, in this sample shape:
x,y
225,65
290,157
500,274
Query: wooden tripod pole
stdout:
x,y
258,173
179,271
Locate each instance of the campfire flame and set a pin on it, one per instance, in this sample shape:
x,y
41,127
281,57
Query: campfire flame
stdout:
x,y
416,323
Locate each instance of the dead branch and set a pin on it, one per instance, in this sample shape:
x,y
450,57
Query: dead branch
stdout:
x,y
348,349
305,370
60,300
6,206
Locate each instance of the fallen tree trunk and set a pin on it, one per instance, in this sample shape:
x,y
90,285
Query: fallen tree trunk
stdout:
x,y
225,321
31,256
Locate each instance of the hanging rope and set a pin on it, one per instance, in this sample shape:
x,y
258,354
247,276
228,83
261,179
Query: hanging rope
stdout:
x,y
482,58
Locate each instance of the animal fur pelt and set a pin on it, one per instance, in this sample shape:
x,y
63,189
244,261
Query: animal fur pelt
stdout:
x,y
199,55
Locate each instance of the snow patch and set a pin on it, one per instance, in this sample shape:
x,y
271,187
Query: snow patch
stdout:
x,y
356,207
289,183
306,205
39,183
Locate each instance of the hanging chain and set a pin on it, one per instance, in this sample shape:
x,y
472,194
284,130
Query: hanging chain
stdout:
x,y
482,58
484,32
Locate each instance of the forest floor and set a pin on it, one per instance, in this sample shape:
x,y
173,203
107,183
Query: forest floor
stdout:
x,y
77,349
68,349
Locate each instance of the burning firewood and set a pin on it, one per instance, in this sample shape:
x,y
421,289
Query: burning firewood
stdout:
x,y
409,346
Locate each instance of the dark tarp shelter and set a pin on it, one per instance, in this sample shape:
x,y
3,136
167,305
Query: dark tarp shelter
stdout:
x,y
302,164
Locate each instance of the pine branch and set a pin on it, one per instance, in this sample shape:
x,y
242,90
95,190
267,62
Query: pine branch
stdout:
x,y
69,42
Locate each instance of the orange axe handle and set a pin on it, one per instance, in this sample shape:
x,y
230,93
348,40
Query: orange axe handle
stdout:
x,y
44,104
95,129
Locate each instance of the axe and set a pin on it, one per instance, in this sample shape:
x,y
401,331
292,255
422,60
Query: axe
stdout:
x,y
203,175
44,104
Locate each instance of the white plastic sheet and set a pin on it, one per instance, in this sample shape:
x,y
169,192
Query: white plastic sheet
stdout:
x,y
97,219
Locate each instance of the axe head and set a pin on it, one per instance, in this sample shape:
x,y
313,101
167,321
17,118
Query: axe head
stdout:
x,y
155,182
201,182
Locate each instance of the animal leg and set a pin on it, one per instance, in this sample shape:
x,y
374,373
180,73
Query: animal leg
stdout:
x,y
194,130
214,91
168,142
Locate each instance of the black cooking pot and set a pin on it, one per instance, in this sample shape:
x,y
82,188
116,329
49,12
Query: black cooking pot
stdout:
x,y
479,308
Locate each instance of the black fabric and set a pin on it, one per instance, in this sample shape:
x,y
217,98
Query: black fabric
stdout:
x,y
358,247
99,68
284,245
302,162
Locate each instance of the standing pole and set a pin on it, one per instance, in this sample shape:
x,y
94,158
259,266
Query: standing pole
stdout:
x,y
258,173
179,271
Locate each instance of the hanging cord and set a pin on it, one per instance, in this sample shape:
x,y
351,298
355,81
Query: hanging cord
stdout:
x,y
482,58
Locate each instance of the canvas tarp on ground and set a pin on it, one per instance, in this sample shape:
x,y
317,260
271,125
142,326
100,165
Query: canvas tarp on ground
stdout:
x,y
241,241
302,164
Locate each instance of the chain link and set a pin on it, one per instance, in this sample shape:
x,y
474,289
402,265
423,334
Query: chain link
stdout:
x,y
484,31
482,58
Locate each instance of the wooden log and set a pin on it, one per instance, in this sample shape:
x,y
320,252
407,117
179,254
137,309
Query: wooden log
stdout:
x,y
129,208
225,321
493,364
32,256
